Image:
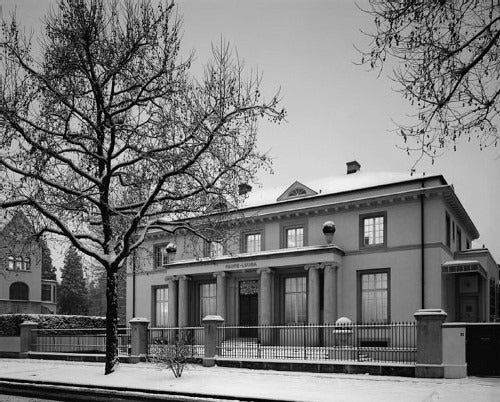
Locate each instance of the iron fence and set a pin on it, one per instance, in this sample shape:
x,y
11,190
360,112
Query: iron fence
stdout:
x,y
78,341
372,342
192,339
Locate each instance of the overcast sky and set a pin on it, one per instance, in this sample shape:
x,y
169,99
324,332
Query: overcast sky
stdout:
x,y
337,111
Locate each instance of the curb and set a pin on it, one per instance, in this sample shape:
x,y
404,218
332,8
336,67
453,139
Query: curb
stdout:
x,y
64,392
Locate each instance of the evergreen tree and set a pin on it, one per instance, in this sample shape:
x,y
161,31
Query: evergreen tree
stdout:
x,y
72,297
48,269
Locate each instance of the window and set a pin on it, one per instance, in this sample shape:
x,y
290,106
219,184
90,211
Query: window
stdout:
x,y
216,249
453,230
459,239
27,264
48,292
295,300
161,306
19,263
160,255
11,262
253,242
467,244
208,299
373,230
294,237
19,291
448,230
374,296
296,192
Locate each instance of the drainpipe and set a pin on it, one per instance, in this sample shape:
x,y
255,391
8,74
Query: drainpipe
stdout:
x,y
133,285
422,245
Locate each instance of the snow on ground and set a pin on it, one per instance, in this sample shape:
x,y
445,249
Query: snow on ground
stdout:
x,y
257,383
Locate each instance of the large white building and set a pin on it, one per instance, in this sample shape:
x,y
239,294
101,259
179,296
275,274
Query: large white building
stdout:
x,y
401,243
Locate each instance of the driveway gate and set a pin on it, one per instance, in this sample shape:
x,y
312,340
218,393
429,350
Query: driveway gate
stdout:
x,y
483,349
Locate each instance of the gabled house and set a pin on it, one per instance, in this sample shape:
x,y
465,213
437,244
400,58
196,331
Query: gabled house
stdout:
x,y
23,288
372,247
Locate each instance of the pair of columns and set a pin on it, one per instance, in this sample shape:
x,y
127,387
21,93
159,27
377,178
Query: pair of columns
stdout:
x,y
313,294
178,299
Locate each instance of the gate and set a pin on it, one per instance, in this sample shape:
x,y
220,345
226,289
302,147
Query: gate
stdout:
x,y
483,349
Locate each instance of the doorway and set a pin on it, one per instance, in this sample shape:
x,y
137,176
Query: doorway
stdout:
x,y
468,309
248,308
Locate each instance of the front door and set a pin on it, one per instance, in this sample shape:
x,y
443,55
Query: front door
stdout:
x,y
249,308
468,309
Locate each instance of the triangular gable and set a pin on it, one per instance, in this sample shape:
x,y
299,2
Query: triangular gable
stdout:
x,y
296,190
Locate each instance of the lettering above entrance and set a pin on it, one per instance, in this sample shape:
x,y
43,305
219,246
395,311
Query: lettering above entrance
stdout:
x,y
240,265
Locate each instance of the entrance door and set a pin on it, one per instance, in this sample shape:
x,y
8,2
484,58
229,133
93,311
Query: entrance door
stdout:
x,y
468,309
249,308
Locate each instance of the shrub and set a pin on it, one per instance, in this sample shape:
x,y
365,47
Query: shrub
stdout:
x,y
173,356
9,323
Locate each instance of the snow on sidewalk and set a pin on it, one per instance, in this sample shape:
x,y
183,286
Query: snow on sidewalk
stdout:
x,y
256,383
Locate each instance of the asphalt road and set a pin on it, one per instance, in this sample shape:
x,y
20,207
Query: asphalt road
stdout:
x,y
14,398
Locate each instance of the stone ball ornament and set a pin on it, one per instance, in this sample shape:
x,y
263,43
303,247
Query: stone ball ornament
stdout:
x,y
171,248
329,230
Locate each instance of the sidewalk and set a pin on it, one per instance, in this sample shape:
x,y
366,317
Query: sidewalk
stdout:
x,y
218,381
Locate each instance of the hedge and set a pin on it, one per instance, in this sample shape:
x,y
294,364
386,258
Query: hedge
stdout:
x,y
9,323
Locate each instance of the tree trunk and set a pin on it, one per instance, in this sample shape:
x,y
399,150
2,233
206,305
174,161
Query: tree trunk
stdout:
x,y
111,321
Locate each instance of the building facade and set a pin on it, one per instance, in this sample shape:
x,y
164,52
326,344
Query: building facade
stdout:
x,y
22,286
373,247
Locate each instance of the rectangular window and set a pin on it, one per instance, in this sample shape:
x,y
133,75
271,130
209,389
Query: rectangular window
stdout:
x,y
11,262
294,237
160,255
295,300
373,230
47,292
208,299
27,264
161,307
253,242
374,296
453,230
459,239
448,230
467,244
216,249
19,263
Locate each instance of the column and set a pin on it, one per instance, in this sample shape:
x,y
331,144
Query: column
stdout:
x,y
183,301
265,302
172,302
138,338
221,294
330,294
313,293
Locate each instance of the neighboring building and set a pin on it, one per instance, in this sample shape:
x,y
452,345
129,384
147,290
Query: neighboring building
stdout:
x,y
401,244
22,287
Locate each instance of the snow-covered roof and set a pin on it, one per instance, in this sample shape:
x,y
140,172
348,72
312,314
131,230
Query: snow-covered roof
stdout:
x,y
330,185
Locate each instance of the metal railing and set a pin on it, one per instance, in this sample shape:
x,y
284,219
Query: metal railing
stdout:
x,y
192,337
394,342
78,341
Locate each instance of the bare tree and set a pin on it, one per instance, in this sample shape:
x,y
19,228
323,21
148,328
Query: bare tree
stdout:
x,y
107,130
446,58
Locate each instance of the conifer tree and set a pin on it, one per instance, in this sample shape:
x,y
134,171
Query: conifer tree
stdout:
x,y
72,297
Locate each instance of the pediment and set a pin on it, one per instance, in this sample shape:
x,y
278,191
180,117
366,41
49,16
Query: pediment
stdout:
x,y
296,190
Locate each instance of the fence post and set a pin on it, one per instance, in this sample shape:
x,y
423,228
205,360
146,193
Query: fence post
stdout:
x,y
138,338
429,343
210,324
27,337
455,365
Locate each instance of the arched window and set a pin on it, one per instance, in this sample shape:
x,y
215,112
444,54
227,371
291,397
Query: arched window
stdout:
x,y
11,262
27,263
19,291
19,263
297,192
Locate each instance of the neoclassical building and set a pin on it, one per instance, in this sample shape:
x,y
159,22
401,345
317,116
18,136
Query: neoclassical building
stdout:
x,y
373,247
23,288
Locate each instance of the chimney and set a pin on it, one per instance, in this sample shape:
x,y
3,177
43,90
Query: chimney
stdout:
x,y
353,167
244,188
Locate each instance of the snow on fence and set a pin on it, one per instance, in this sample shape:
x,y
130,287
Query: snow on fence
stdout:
x,y
78,340
192,337
372,342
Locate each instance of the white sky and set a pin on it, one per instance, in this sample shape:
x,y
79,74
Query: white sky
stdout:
x,y
337,111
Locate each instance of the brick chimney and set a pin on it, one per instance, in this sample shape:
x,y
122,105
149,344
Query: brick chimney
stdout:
x,y
353,167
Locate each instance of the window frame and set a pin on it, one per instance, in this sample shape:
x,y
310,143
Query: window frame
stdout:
x,y
359,296
362,219
448,230
283,279
459,239
23,285
154,288
157,247
199,285
243,240
284,227
11,263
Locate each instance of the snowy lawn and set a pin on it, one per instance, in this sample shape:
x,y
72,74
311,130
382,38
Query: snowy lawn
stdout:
x,y
257,383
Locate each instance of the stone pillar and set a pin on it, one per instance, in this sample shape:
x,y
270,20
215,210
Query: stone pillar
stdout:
x,y
172,302
138,338
28,338
183,301
211,324
313,293
265,296
429,343
330,294
221,293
